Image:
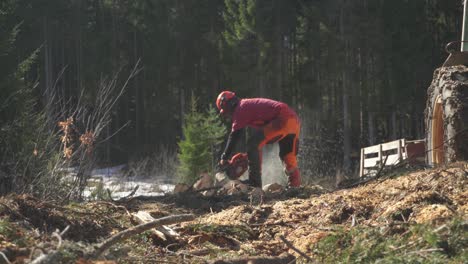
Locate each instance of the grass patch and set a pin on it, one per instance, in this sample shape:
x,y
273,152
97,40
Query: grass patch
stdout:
x,y
12,235
418,244
240,232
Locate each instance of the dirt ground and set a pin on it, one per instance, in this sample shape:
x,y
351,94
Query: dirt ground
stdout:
x,y
237,227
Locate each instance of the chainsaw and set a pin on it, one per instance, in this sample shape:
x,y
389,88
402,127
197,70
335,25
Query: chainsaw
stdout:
x,y
235,167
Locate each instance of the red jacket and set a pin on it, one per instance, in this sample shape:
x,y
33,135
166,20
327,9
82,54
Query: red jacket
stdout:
x,y
257,112
254,112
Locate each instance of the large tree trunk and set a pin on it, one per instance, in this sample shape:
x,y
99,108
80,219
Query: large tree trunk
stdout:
x,y
447,116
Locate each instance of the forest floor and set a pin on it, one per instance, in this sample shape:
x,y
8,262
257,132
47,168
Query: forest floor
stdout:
x,y
412,217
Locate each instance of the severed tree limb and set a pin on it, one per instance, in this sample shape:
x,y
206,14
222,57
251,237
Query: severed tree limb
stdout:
x,y
382,166
124,199
54,255
5,257
163,232
281,259
377,176
291,246
139,229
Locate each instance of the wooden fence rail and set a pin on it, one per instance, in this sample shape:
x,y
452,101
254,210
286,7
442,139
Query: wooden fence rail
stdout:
x,y
390,153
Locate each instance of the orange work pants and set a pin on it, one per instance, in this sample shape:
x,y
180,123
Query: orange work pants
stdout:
x,y
285,130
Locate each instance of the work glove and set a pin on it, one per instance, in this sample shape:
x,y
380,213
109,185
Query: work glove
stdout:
x,y
223,160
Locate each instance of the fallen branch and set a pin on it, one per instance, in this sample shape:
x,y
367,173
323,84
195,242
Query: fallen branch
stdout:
x,y
113,205
126,198
281,259
139,229
53,255
291,246
197,252
5,257
181,253
163,232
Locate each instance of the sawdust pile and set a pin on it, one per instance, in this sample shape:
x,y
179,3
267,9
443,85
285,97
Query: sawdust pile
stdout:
x,y
421,197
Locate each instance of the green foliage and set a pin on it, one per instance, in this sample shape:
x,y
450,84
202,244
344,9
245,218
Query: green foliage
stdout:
x,y
239,232
240,20
416,244
11,232
28,146
99,193
202,131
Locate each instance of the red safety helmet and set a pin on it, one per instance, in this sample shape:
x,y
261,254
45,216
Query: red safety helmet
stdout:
x,y
226,101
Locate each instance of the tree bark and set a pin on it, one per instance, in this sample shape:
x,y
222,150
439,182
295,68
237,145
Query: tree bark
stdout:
x,y
346,94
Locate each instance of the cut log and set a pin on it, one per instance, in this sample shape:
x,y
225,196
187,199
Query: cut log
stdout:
x,y
180,187
273,188
205,181
447,116
234,187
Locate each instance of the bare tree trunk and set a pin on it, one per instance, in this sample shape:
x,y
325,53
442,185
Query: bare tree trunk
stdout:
x,y
78,40
362,98
346,99
182,105
293,71
47,63
371,107
138,106
279,52
260,75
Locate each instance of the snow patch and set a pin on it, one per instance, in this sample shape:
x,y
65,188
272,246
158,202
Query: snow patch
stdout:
x,y
120,185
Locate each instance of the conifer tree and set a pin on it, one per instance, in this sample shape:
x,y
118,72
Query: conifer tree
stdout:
x,y
22,126
202,132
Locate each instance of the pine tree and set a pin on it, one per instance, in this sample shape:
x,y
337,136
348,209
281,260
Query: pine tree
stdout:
x,y
23,131
202,132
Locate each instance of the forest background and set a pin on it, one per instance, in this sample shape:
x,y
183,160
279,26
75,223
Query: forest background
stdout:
x,y
356,71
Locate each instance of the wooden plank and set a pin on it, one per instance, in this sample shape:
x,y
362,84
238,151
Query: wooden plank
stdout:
x,y
394,152
392,160
400,149
376,162
415,141
391,145
361,169
380,153
372,149
371,162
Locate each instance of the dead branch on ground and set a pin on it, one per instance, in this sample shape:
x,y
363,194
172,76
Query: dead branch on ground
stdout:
x,y
126,198
281,259
291,246
139,229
